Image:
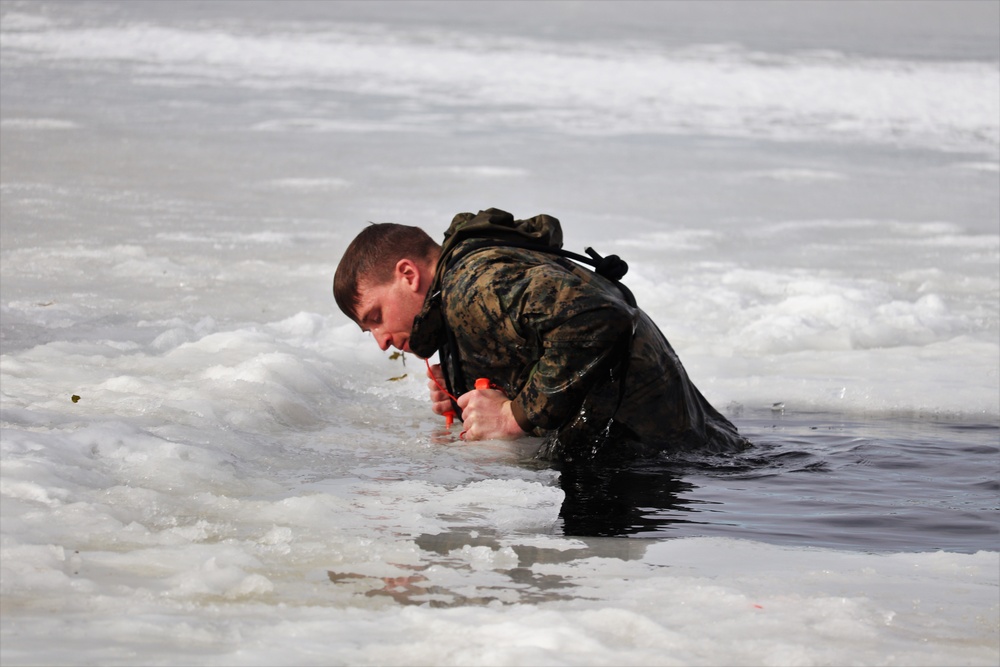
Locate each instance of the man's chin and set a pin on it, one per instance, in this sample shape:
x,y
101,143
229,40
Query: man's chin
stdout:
x,y
406,348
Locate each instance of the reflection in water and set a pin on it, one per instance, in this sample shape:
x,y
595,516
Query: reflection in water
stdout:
x,y
609,501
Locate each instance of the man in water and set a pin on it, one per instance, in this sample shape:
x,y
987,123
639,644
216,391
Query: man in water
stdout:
x,y
567,352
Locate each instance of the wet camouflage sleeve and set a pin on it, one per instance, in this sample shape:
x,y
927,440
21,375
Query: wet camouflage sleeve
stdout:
x,y
540,328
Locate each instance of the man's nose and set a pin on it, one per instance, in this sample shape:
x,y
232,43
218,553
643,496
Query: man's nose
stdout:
x,y
384,340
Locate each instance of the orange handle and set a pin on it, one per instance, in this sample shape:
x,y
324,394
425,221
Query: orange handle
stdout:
x,y
482,383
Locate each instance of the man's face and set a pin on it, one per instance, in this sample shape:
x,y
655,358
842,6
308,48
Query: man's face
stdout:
x,y
388,310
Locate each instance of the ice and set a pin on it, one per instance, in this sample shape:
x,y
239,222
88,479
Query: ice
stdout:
x,y
716,89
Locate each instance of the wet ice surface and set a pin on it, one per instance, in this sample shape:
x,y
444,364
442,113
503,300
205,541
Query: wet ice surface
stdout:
x,y
241,480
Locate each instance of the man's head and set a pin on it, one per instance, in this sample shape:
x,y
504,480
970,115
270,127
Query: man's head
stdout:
x,y
383,278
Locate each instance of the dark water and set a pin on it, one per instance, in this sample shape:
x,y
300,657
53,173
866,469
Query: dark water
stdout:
x,y
811,480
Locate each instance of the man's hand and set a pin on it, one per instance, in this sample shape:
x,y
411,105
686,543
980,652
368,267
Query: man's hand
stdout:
x,y
486,415
440,402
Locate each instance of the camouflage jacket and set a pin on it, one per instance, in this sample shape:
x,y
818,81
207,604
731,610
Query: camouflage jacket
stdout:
x,y
580,364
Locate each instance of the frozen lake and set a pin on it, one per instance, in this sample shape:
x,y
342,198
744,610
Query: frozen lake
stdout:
x,y
204,462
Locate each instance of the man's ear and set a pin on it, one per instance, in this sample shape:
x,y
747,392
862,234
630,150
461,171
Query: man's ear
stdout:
x,y
409,272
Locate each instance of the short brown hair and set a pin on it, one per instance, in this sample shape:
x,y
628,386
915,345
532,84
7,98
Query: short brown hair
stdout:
x,y
372,256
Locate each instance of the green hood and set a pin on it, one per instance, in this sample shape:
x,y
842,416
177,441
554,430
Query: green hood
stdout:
x,y
542,230
492,227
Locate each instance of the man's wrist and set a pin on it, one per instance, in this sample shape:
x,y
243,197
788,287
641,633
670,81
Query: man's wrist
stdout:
x,y
522,419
